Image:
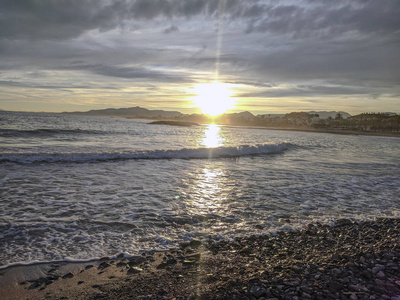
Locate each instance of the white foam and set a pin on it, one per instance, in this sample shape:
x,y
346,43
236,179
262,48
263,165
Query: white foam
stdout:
x,y
185,153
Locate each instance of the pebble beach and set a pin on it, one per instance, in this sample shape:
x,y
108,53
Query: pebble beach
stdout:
x,y
349,260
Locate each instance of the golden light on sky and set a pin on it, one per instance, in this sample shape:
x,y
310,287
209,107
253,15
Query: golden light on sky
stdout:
x,y
118,54
213,98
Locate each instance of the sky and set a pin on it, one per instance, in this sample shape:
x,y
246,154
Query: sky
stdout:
x,y
273,56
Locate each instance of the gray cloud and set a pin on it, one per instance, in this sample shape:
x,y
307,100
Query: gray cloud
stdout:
x,y
327,19
125,72
11,83
321,48
170,29
312,91
61,19
66,19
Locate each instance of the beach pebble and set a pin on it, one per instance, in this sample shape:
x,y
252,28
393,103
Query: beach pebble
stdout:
x,y
195,243
353,297
136,260
68,275
103,265
134,270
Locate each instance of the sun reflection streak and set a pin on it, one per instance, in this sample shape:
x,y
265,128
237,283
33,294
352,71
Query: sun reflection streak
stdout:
x,y
209,192
212,137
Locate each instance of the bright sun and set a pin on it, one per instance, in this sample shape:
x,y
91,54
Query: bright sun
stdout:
x,y
213,98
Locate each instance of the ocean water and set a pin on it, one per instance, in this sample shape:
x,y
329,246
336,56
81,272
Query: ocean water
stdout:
x,y
76,187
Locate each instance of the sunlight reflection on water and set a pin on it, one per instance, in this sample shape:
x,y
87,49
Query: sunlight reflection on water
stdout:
x,y
212,137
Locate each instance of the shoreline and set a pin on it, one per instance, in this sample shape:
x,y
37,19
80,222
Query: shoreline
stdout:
x,y
349,260
315,130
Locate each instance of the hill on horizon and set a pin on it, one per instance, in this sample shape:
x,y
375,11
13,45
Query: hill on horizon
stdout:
x,y
130,112
141,112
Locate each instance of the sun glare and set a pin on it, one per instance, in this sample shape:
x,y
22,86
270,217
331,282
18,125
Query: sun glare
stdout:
x,y
212,137
213,98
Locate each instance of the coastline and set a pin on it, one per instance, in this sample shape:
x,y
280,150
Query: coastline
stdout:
x,y
173,122
335,131
302,129
346,261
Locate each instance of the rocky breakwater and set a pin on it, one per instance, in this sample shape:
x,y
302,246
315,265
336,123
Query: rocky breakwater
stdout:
x,y
346,261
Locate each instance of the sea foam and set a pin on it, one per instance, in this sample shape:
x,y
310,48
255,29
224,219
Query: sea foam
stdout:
x,y
185,153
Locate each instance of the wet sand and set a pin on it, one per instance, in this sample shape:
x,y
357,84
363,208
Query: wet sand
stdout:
x,y
345,261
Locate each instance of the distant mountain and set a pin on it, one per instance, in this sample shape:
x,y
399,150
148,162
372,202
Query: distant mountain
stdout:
x,y
332,114
133,112
245,115
270,116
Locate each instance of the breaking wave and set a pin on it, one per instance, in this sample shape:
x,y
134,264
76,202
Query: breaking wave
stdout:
x,y
185,153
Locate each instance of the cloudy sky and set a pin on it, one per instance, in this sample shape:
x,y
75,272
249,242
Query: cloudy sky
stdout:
x,y
275,56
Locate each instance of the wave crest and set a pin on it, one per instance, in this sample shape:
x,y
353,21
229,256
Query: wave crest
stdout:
x,y
185,153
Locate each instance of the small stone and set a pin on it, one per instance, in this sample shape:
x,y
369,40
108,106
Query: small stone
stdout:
x,y
381,275
257,291
68,275
353,297
357,288
393,288
121,264
379,286
194,256
343,222
188,262
162,265
335,287
136,260
366,274
88,267
134,270
171,261
162,293
336,272
34,285
306,296
195,244
80,282
103,265
104,258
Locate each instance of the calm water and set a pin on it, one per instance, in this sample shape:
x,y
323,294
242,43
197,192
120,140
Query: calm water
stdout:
x,y
76,187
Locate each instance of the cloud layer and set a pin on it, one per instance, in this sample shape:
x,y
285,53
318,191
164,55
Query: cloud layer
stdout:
x,y
312,54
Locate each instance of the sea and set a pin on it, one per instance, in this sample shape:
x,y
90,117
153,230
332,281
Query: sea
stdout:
x,y
78,187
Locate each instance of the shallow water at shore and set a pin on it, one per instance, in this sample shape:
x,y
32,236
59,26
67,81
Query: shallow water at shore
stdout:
x,y
77,187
